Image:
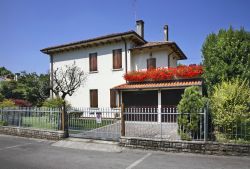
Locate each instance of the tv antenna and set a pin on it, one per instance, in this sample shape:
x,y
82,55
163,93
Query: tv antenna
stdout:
x,y
134,8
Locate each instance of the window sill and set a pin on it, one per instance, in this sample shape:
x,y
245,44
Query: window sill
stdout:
x,y
117,69
91,72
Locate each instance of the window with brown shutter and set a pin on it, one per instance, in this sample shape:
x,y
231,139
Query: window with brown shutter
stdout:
x,y
112,98
93,98
151,63
92,62
117,59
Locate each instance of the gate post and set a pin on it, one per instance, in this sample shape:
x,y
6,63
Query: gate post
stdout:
x,y
64,126
122,121
205,122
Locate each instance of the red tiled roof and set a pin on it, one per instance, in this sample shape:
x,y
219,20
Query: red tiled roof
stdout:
x,y
152,85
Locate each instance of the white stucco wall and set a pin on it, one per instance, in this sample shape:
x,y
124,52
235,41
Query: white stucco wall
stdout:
x,y
139,59
103,80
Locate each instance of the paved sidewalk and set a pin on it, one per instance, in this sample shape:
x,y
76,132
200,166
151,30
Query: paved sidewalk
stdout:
x,y
23,153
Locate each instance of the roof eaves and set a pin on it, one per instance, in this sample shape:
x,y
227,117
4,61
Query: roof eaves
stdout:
x,y
46,50
168,43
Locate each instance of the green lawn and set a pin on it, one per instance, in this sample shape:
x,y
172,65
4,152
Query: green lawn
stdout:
x,y
46,122
43,122
87,124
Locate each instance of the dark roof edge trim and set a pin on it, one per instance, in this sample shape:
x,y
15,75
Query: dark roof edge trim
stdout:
x,y
46,50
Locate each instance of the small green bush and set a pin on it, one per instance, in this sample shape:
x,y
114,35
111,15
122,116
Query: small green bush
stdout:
x,y
189,107
55,103
3,123
1,97
7,103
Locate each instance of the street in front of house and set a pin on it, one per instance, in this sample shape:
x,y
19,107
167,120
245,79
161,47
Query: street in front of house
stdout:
x,y
24,153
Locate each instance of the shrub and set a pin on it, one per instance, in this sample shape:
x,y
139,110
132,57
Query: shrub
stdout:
x,y
3,123
7,103
1,97
21,103
189,107
55,103
231,107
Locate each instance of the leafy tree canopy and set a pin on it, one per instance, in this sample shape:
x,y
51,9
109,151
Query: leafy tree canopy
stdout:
x,y
29,86
5,72
226,55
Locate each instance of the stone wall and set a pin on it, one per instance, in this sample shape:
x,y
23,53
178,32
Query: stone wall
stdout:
x,y
32,133
212,148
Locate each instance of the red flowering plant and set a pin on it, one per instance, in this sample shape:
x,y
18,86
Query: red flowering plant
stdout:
x,y
189,71
133,76
21,103
161,74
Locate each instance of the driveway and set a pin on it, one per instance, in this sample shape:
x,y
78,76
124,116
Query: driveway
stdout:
x,y
23,153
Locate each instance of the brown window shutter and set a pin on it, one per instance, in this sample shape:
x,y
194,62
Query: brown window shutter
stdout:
x,y
151,63
117,59
119,55
112,98
94,98
93,62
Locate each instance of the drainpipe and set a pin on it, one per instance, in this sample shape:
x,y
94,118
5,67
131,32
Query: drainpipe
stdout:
x,y
126,57
169,58
51,75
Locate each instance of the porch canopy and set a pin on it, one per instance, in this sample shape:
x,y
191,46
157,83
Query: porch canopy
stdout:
x,y
166,94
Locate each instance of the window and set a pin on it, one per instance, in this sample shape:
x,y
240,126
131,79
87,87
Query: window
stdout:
x,y
151,63
117,59
92,62
93,98
112,98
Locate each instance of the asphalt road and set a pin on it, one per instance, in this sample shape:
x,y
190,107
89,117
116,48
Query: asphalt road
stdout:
x,y
23,153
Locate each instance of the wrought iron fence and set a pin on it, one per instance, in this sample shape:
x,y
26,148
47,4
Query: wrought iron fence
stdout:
x,y
31,117
162,123
238,132
98,123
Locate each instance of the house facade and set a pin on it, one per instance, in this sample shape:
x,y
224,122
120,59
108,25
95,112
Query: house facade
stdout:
x,y
107,59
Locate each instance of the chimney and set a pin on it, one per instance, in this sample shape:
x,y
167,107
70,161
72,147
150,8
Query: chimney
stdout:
x,y
140,28
165,33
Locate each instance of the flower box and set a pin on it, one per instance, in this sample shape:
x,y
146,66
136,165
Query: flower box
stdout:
x,y
162,74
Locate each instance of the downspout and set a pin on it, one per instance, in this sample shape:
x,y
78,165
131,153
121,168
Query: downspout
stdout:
x,y
169,58
51,75
126,57
126,68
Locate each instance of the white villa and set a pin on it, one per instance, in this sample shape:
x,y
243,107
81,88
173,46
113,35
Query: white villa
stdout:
x,y
107,58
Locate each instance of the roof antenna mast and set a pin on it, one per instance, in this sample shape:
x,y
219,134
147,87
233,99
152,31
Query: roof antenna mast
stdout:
x,y
134,8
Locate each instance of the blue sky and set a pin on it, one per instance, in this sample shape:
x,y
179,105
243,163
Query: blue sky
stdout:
x,y
29,25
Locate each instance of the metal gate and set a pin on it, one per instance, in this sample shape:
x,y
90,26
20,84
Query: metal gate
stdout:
x,y
95,123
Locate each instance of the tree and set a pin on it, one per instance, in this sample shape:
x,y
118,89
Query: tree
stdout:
x,y
5,72
11,89
66,81
29,86
226,55
189,107
231,107
36,87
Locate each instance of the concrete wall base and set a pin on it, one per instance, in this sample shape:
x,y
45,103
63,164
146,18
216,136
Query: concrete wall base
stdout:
x,y
212,148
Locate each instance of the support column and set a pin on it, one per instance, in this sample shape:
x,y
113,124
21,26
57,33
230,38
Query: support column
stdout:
x,y
159,106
